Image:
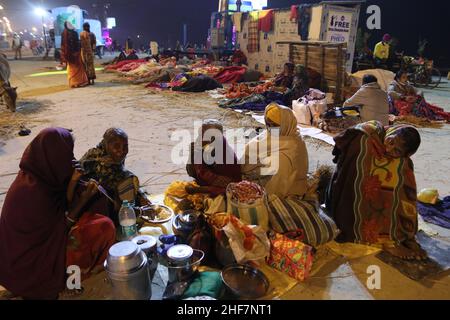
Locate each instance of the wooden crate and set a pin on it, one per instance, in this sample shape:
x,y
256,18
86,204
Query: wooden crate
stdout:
x,y
326,58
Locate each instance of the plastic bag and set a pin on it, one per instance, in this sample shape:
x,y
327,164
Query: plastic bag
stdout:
x,y
302,112
248,243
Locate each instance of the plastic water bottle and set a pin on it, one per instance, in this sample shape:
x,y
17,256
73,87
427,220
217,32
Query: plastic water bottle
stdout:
x,y
127,220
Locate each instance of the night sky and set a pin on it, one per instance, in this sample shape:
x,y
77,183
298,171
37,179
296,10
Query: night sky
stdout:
x,y
162,20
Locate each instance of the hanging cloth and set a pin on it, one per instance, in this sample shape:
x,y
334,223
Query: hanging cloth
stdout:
x,y
294,13
304,14
253,32
265,23
237,21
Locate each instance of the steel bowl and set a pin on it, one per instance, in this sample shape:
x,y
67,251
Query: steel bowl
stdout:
x,y
245,281
125,257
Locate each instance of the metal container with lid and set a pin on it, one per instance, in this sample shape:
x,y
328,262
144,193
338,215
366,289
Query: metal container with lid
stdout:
x,y
183,262
180,254
148,245
127,268
184,224
179,263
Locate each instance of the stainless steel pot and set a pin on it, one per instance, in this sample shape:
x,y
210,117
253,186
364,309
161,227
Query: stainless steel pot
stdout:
x,y
127,269
148,244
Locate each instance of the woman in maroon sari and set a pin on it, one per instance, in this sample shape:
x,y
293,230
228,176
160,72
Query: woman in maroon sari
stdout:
x,y
41,231
213,169
71,55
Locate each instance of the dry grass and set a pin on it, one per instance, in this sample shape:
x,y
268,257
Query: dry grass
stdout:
x,y
24,117
419,122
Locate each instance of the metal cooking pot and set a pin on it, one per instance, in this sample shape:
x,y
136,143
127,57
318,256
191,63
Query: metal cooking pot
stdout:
x,y
125,257
127,269
148,245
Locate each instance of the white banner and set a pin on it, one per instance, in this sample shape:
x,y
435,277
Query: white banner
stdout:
x,y
339,26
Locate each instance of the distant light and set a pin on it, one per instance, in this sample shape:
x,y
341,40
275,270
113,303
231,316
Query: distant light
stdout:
x,y
111,23
1,7
40,12
21,32
138,36
5,18
45,26
34,29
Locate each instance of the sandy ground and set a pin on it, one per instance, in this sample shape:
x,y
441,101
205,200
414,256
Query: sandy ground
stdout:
x,y
151,119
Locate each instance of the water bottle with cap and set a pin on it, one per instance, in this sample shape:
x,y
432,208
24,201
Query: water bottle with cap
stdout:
x,y
127,220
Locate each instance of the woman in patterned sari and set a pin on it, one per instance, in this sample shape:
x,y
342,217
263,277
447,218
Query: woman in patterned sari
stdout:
x,y
372,194
71,55
407,100
88,45
106,164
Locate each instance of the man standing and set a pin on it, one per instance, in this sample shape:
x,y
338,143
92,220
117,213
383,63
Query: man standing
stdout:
x,y
17,47
381,52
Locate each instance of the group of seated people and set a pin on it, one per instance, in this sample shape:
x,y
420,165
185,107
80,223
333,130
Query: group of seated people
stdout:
x,y
64,221
401,99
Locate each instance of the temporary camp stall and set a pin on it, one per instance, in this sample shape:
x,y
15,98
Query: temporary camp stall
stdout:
x,y
328,47
324,57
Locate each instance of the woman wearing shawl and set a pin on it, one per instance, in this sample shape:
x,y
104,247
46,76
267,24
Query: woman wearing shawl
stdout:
x,y
88,45
106,164
41,230
286,78
211,167
407,100
282,157
372,194
71,55
299,86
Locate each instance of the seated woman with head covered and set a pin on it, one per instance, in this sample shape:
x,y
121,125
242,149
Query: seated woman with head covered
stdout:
x,y
106,164
285,78
285,151
372,194
213,163
43,230
407,100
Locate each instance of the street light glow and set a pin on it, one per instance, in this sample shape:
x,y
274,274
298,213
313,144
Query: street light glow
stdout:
x,y
40,12
1,7
34,29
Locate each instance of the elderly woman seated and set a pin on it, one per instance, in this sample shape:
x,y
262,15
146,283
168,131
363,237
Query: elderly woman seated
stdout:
x,y
213,163
407,100
106,164
282,157
372,194
286,78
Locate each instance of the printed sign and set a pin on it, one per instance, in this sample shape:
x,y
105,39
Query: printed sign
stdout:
x,y
339,25
73,14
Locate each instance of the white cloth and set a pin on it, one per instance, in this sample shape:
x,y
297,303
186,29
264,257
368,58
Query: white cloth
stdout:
x,y
384,77
374,102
